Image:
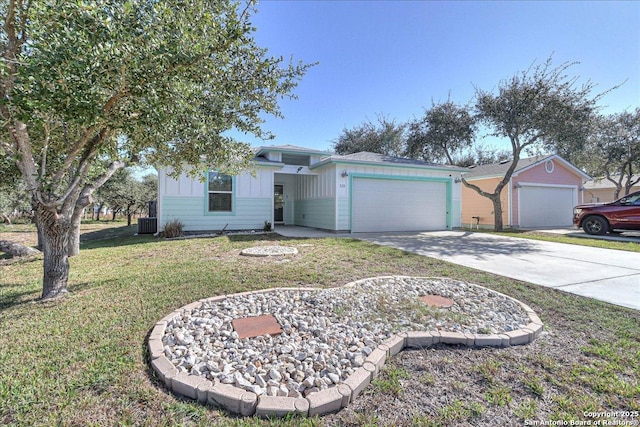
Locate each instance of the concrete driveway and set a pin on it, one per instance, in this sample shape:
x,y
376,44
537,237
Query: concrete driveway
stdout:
x,y
604,274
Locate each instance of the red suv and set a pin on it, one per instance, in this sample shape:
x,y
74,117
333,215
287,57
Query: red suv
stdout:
x,y
623,214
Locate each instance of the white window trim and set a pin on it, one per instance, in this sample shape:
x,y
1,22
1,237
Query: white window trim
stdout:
x,y
231,192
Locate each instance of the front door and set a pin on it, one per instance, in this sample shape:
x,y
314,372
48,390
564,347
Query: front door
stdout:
x,y
278,203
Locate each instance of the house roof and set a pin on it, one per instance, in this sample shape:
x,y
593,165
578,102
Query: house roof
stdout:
x,y
365,157
499,169
605,184
289,149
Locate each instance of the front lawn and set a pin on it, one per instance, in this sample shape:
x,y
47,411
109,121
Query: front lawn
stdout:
x,y
585,240
83,361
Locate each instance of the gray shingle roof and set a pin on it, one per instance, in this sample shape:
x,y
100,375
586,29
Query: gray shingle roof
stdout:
x,y
290,148
499,169
368,157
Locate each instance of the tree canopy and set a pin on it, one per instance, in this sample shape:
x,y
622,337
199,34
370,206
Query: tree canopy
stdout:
x,y
120,81
612,151
443,134
384,137
125,194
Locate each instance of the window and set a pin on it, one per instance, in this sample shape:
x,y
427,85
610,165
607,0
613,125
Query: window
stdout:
x,y
549,166
220,190
631,200
296,159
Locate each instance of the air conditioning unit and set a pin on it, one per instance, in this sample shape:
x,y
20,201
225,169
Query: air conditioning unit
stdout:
x,y
147,225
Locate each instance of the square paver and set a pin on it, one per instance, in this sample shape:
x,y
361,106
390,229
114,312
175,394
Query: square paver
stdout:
x,y
436,301
251,327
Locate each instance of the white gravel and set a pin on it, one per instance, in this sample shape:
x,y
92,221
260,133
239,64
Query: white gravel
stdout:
x,y
328,333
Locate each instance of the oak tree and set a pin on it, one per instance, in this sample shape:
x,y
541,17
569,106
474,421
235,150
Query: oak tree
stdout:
x,y
613,151
534,110
384,137
120,81
443,135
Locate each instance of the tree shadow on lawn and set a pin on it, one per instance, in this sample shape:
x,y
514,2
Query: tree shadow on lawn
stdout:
x,y
15,298
21,298
109,233
98,240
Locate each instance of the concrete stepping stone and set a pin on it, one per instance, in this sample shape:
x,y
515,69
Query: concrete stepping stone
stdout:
x,y
264,251
436,301
251,327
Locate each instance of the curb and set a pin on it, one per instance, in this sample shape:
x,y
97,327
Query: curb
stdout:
x,y
332,399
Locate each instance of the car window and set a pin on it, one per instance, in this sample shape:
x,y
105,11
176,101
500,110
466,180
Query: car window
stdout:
x,y
631,200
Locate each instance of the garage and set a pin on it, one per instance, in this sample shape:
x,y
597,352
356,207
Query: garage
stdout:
x,y
398,205
542,206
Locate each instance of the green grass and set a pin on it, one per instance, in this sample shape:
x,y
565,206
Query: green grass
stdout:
x,y
390,380
572,240
82,361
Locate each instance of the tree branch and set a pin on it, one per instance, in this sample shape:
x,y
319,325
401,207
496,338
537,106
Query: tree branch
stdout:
x,y
71,155
45,148
477,189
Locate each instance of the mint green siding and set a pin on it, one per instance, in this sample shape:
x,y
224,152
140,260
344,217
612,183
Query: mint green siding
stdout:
x,y
317,213
249,213
343,213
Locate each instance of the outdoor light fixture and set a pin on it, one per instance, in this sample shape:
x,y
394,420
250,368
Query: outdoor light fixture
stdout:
x,y
344,173
457,180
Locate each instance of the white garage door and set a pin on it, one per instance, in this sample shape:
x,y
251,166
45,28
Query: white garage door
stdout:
x,y
397,205
546,206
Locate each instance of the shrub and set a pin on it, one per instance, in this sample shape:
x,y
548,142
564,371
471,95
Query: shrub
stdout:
x,y
173,228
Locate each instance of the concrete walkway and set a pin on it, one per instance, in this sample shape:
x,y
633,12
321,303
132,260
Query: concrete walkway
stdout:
x,y
604,274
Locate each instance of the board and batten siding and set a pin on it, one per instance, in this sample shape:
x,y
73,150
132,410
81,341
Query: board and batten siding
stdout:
x,y
318,186
315,202
185,199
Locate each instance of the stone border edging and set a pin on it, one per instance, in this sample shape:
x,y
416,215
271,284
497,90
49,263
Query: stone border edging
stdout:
x,y
246,403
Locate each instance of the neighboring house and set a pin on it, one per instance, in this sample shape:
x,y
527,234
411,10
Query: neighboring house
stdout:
x,y
602,190
298,186
541,193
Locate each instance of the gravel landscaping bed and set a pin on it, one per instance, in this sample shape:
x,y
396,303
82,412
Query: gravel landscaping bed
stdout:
x,y
328,333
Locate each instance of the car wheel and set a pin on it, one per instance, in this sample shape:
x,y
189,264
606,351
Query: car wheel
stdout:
x,y
595,225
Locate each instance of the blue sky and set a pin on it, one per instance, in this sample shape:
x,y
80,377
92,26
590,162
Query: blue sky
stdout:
x,y
393,58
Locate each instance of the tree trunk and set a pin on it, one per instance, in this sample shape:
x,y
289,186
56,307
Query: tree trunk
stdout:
x,y
128,219
616,193
55,231
73,243
497,212
76,219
